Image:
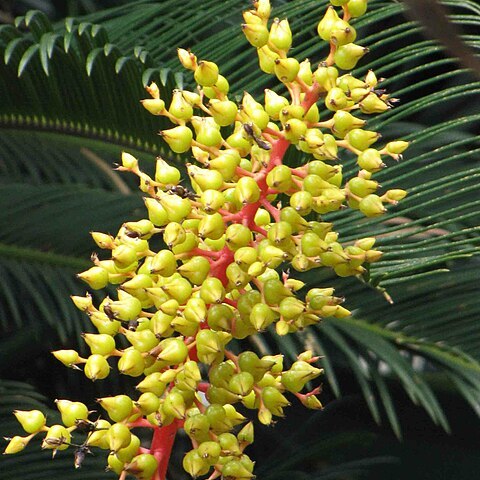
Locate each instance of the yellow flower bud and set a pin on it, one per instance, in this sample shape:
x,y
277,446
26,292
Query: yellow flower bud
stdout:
x,y
266,59
206,73
187,59
286,69
16,444
256,34
280,35
156,106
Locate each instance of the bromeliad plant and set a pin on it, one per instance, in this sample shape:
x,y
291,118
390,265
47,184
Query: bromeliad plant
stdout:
x,y
223,274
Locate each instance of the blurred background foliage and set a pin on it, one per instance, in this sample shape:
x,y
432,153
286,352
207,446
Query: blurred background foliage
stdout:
x,y
70,105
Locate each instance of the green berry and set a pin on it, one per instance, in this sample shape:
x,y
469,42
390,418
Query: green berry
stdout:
x,y
274,103
125,309
257,34
361,139
179,138
221,86
164,262
156,106
241,383
131,363
274,400
194,464
212,290
397,147
209,346
142,466
126,454
179,107
152,383
96,367
207,132
147,403
118,436
101,343
291,308
174,405
274,291
372,206
67,357
229,443
280,178
95,277
280,35
226,163
142,340
357,8
347,56
197,427
224,112
173,351
266,59
211,226
16,444
247,190
326,77
261,316
98,437
286,69
238,236
206,73
327,24
57,438
118,407
156,213
72,412
210,452
302,202
195,270
246,435
220,317
294,129
342,33
235,470
31,421
178,288
370,160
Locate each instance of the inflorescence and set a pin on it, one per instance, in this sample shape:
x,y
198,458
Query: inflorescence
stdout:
x,y
231,241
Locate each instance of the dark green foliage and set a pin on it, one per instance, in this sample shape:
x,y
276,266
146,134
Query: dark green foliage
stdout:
x,y
70,104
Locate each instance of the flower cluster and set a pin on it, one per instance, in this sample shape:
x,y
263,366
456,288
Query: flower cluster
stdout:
x,y
232,237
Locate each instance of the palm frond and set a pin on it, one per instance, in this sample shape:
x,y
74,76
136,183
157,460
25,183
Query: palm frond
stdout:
x,y
76,83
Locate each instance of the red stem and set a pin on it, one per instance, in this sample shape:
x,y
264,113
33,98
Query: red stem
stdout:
x,y
299,172
162,444
243,173
203,387
230,302
311,96
140,422
219,266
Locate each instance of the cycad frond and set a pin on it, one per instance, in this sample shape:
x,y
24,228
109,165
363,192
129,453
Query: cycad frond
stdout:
x,y
74,82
